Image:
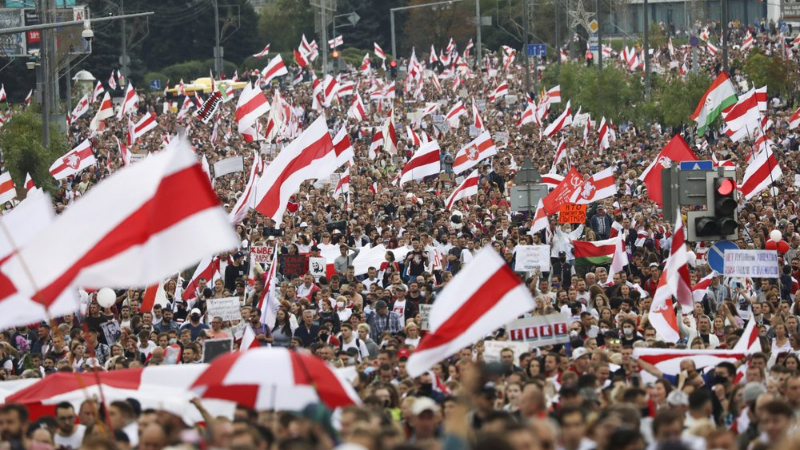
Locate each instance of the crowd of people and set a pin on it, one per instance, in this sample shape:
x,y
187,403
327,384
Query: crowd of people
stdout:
x,y
587,394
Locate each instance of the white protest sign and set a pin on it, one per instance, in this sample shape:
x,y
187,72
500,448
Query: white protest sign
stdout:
x,y
539,331
532,257
227,308
138,157
481,104
797,179
424,313
501,136
229,165
751,263
261,253
474,131
492,349
317,267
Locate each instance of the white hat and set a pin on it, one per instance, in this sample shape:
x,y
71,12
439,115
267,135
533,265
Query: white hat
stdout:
x,y
423,404
195,311
580,352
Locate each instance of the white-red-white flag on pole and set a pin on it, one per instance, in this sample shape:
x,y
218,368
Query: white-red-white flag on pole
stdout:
x,y
486,295
389,135
29,183
336,42
794,120
131,240
98,92
123,152
112,82
378,51
8,191
275,68
762,171
474,152
376,144
74,161
106,110
677,268
424,163
311,155
620,258
343,147
540,221
252,104
455,112
128,102
357,110
246,201
554,94
145,124
700,288
3,96
602,135
500,91
80,109
662,313
343,185
597,187
467,188
476,116
565,119
561,154
263,53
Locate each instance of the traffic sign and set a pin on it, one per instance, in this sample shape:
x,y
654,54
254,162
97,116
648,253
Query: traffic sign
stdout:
x,y
697,165
715,256
155,85
537,50
593,26
693,41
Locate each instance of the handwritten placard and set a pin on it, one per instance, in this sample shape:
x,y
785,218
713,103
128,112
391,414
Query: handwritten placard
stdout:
x,y
293,265
227,308
572,213
751,263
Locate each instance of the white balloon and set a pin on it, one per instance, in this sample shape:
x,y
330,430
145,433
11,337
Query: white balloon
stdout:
x,y
775,235
106,297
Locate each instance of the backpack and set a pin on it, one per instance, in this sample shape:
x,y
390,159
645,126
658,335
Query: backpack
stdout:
x,y
358,345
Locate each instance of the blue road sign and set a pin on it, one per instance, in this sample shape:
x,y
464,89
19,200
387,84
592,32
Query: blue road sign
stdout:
x,y
693,41
537,50
155,85
697,165
716,254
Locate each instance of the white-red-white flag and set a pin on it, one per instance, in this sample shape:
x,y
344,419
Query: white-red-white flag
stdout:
x,y
500,91
762,171
252,104
29,183
98,92
476,116
106,110
424,163
8,191
794,120
336,42
602,135
343,147
246,201
455,112
123,152
181,89
310,156
343,185
701,287
80,109
145,124
131,239
275,68
662,313
565,119
554,94
540,221
467,188
376,144
597,187
3,96
677,268
378,51
129,102
74,161
485,295
476,151
249,340
263,53
561,154
620,258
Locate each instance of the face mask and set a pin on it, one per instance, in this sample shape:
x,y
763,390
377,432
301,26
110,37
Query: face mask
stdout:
x,y
720,379
425,389
340,304
173,341
573,334
422,292
627,331
604,330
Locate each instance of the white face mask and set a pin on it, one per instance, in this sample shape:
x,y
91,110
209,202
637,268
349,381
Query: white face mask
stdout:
x,y
340,304
627,331
573,334
604,330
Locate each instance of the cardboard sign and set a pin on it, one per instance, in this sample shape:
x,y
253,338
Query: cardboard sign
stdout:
x,y
293,265
539,331
572,213
317,267
111,331
751,263
261,253
227,308
424,313
532,257
492,350
213,348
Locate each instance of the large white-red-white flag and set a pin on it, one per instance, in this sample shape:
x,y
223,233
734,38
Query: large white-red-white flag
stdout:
x,y
129,102
149,221
275,68
106,110
311,155
476,151
467,188
424,163
485,295
74,161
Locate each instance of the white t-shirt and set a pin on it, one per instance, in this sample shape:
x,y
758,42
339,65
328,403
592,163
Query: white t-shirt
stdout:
x,y
71,442
361,346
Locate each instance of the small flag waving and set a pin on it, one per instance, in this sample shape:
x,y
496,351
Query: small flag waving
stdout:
x,y
677,268
467,188
262,53
476,151
424,163
74,161
597,187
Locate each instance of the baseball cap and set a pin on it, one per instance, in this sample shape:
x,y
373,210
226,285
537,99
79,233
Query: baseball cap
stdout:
x,y
314,248
303,225
403,353
238,255
678,398
423,404
196,311
580,352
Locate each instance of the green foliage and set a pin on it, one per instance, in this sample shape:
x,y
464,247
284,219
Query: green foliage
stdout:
x,y
779,75
679,98
150,76
23,152
282,23
354,56
657,36
193,69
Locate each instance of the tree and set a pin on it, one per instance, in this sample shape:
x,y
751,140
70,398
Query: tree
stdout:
x,y
282,23
436,25
778,74
678,98
23,152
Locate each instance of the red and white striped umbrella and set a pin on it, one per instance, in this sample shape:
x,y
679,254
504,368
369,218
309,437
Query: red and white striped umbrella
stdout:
x,y
274,379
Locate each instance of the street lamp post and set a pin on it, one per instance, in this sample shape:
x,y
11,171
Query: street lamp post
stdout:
x,y
403,8
217,49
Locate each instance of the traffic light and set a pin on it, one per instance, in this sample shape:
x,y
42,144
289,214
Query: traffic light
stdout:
x,y
393,69
719,220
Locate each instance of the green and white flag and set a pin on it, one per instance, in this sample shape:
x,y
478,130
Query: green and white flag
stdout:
x,y
719,96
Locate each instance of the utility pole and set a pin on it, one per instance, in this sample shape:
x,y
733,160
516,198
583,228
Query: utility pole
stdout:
x,y
525,46
557,50
478,53
217,49
599,35
646,52
323,46
44,67
391,23
725,36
